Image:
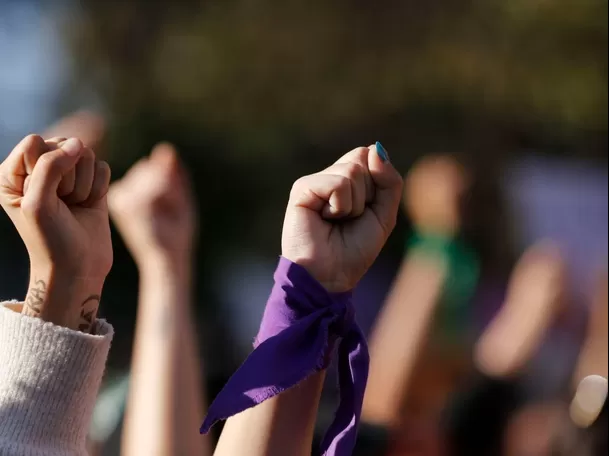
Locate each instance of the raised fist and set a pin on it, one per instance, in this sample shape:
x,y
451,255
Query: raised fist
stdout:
x,y
152,206
55,193
338,220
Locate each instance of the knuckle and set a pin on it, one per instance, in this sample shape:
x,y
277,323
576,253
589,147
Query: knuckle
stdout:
x,y
298,186
48,163
361,154
33,208
354,170
343,183
32,140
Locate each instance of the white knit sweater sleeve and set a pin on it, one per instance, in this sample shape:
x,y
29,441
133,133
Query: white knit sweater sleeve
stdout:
x,y
49,379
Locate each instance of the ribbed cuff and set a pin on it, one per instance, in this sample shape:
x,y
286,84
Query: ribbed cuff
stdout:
x,y
49,379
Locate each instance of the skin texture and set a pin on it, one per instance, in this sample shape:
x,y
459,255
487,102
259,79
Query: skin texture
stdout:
x,y
54,192
336,223
153,208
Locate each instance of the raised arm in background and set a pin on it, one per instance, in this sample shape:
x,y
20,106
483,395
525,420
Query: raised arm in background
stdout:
x,y
432,193
336,223
535,297
153,208
52,348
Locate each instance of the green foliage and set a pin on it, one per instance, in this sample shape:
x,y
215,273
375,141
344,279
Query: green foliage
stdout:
x,y
261,76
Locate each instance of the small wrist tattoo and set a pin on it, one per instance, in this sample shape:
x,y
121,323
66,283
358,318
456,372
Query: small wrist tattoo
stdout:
x,y
35,299
87,313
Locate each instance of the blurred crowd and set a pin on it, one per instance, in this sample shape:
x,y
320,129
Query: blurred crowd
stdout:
x,y
485,314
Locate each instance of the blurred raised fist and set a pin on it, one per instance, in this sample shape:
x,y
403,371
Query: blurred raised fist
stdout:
x,y
433,192
153,208
55,193
338,220
87,126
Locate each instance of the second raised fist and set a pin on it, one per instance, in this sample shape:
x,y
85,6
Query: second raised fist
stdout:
x,y
154,210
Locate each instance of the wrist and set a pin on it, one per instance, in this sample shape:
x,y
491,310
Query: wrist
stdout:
x,y
337,284
165,264
166,271
63,299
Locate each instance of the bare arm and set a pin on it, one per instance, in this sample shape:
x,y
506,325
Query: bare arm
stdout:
x,y
337,257
281,426
53,350
534,298
153,209
165,399
398,337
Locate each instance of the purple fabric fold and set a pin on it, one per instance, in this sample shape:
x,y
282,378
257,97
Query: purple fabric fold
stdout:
x,y
301,325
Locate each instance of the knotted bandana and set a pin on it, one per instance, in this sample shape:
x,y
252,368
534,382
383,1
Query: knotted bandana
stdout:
x,y
301,325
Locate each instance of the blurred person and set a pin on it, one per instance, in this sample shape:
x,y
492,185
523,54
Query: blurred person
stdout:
x,y
153,209
53,348
480,414
547,428
564,200
433,189
419,345
535,299
335,225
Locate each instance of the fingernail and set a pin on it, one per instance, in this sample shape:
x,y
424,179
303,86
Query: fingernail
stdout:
x,y
72,146
380,150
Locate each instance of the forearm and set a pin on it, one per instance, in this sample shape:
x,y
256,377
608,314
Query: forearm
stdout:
x,y
398,337
165,399
62,298
49,380
190,398
280,426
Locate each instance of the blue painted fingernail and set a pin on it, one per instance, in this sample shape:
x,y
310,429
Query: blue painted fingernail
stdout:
x,y
382,152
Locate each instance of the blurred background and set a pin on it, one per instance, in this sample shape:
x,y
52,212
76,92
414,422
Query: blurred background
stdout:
x,y
257,93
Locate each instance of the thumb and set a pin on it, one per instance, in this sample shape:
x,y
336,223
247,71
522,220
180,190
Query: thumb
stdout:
x,y
50,169
165,155
388,186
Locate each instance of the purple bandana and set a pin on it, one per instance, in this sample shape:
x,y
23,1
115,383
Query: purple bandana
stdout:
x,y
301,324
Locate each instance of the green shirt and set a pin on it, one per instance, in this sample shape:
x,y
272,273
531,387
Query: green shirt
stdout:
x,y
454,311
